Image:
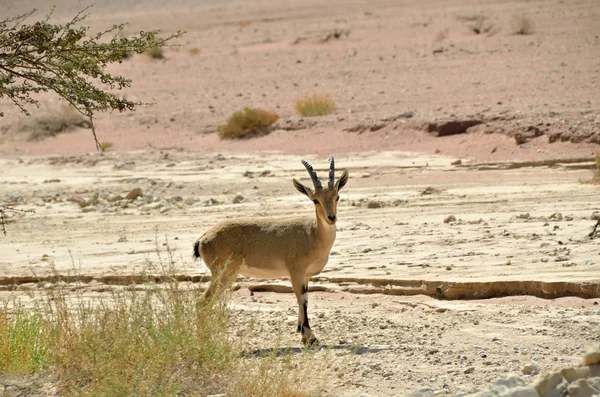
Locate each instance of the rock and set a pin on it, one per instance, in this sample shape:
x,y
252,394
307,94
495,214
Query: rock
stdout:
x,y
122,239
438,50
469,370
551,385
52,181
530,369
450,218
573,374
113,197
133,194
584,388
238,199
525,215
592,357
451,127
510,381
596,215
375,204
557,216
430,190
422,392
164,209
406,115
521,391
456,162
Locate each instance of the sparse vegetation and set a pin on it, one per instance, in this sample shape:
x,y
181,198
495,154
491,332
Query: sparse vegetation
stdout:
x,y
247,123
315,105
596,178
148,339
195,51
50,121
104,146
523,25
155,53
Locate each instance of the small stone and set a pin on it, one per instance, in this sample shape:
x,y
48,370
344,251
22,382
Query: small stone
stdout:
x,y
530,369
133,194
321,315
524,216
122,239
450,218
239,198
557,216
383,326
164,210
589,262
596,215
469,370
375,204
456,162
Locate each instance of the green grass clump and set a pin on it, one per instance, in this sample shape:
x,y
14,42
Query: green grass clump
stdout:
x,y
23,341
104,146
315,105
247,123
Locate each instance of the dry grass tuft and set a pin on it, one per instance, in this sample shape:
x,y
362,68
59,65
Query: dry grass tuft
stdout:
x,y
523,25
315,105
156,53
248,123
50,121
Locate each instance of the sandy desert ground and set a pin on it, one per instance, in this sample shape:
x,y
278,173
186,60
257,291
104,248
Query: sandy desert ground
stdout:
x,y
445,273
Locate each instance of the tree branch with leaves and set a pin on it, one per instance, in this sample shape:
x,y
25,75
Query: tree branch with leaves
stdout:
x,y
45,57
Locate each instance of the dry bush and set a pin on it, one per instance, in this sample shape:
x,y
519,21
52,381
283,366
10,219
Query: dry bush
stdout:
x,y
50,121
155,53
248,123
523,25
155,338
315,105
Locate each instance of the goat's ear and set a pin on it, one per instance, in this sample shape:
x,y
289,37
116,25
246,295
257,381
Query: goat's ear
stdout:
x,y
303,189
342,181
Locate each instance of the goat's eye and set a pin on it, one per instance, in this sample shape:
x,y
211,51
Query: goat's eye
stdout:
x,y
316,201
337,198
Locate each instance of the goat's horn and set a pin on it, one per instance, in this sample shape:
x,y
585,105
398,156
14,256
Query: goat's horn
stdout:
x,y
313,175
331,172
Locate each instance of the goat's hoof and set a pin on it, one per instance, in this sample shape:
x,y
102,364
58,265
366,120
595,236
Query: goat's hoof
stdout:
x,y
312,342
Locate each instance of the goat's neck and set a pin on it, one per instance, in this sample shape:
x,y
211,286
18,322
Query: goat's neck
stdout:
x,y
325,233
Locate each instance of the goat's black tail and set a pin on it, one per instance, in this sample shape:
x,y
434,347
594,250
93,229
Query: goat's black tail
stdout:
x,y
196,253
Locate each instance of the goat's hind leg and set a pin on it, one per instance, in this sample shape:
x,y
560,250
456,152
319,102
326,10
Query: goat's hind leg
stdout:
x,y
222,277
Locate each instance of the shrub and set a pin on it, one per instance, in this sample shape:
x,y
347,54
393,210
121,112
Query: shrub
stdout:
x,y
596,178
104,146
523,25
247,123
316,105
155,53
50,121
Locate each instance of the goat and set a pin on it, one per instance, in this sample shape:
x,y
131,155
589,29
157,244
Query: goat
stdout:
x,y
296,247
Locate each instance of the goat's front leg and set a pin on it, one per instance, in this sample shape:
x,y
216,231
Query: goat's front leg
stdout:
x,y
300,285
